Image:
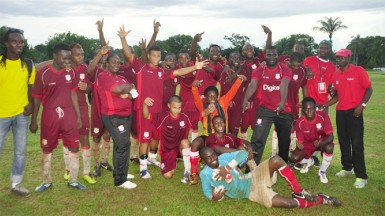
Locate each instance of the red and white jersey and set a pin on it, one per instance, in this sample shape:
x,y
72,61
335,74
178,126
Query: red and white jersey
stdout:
x,y
209,79
298,80
228,141
307,132
81,75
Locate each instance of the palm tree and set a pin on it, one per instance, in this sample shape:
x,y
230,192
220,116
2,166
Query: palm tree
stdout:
x,y
330,25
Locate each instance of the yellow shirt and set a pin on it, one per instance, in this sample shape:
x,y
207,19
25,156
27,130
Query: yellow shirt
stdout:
x,y
14,87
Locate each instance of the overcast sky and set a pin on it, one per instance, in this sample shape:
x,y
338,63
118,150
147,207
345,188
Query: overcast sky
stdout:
x,y
217,18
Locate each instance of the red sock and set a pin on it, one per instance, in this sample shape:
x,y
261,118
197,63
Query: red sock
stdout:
x,y
289,176
302,203
194,160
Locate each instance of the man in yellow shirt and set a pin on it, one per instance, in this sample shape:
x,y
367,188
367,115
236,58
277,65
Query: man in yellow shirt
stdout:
x,y
16,80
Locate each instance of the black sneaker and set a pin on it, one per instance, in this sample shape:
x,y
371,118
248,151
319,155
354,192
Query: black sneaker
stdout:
x,y
304,194
97,171
135,160
316,161
328,200
107,166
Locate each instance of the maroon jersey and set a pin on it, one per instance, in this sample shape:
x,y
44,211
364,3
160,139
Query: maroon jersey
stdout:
x,y
173,130
226,86
150,84
209,79
81,75
323,74
298,80
229,141
54,87
111,103
307,132
269,79
169,89
185,89
128,72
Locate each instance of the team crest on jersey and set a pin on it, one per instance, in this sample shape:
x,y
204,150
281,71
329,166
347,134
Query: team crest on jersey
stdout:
x,y
227,146
253,66
182,124
82,76
194,73
121,128
259,121
277,76
44,142
96,130
160,74
68,77
318,126
295,77
337,82
146,134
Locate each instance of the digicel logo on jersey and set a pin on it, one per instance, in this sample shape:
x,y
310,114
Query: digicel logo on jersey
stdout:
x,y
270,88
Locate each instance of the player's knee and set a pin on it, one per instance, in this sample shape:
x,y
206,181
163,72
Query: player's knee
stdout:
x,y
185,143
196,143
296,158
329,148
276,161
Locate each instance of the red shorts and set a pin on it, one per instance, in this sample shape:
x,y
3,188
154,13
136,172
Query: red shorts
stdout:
x,y
168,160
85,130
234,117
250,115
134,125
97,126
55,122
309,149
145,128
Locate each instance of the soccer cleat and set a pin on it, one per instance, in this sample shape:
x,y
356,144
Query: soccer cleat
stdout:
x,y
328,200
76,185
97,171
316,161
42,187
21,191
89,178
153,161
128,185
193,179
66,175
298,166
129,176
107,166
306,166
322,177
344,173
144,174
360,183
186,178
304,194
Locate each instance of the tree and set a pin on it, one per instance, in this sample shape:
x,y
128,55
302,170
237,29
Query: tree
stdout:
x,y
368,52
285,45
175,43
238,41
356,46
330,25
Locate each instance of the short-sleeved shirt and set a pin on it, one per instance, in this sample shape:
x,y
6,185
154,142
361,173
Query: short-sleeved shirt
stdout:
x,y
229,141
81,75
185,89
112,103
351,86
173,130
270,80
209,79
14,80
298,80
307,132
323,73
150,84
54,87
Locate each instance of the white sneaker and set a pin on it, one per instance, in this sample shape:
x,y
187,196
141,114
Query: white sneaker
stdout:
x,y
129,176
153,161
128,185
144,174
344,173
306,166
322,177
360,183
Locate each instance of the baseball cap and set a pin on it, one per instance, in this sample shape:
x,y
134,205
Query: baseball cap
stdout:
x,y
343,53
327,42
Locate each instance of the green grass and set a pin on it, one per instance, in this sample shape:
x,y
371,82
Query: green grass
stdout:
x,y
170,197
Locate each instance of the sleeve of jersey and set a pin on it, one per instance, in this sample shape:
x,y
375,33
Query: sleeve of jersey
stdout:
x,y
298,132
366,83
37,90
286,72
226,99
328,125
197,99
206,178
235,158
256,74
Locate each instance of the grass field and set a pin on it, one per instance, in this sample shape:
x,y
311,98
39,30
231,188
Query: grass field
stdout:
x,y
170,197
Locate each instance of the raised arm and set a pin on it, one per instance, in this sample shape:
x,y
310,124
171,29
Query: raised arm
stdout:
x,y
269,36
122,33
183,71
154,34
101,34
94,63
194,45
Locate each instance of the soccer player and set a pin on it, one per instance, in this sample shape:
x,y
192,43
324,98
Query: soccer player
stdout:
x,y
314,133
169,87
353,91
17,76
220,177
274,80
55,88
173,127
150,79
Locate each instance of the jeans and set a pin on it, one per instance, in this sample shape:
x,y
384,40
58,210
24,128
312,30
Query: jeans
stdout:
x,y
19,125
282,122
350,132
120,129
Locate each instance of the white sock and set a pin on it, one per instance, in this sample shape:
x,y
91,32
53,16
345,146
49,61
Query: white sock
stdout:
x,y
326,160
86,154
66,155
14,185
186,159
152,156
194,134
274,144
143,164
305,161
74,166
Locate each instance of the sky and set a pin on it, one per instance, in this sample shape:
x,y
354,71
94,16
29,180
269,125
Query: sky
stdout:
x,y
41,19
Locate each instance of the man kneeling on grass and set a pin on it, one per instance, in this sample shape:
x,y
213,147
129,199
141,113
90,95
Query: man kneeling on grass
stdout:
x,y
220,178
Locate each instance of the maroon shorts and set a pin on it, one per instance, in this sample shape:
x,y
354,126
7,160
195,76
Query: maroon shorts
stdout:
x,y
250,115
168,160
85,130
58,121
134,125
309,148
234,113
97,126
146,129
